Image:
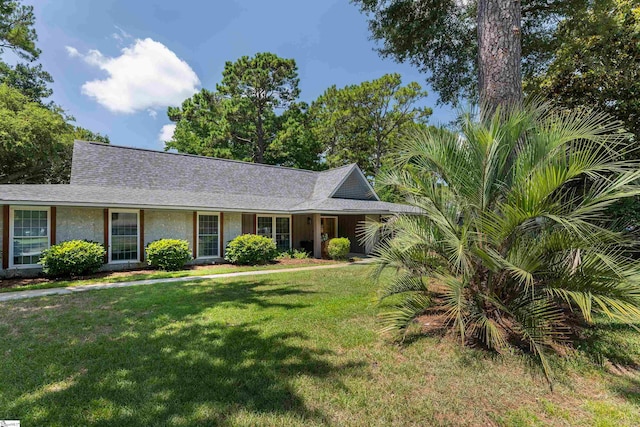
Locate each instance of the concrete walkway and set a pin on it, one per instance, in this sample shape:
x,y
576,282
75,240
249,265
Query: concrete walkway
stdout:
x,y
17,295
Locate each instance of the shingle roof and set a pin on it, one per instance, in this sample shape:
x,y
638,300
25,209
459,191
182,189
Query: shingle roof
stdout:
x,y
116,166
108,175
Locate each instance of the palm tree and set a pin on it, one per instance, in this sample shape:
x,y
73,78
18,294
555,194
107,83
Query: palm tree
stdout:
x,y
515,245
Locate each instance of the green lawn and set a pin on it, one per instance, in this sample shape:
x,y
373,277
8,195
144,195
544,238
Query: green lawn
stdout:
x,y
285,349
119,276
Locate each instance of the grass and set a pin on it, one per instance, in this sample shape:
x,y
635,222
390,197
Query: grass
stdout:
x,y
117,276
291,349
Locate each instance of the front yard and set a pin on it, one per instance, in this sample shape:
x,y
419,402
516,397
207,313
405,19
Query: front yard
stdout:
x,y
285,349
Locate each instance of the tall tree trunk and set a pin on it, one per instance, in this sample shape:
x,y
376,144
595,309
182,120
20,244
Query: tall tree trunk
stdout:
x,y
260,149
499,54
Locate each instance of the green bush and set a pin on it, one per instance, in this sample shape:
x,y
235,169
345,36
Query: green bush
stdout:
x,y
293,254
251,249
168,254
338,248
72,258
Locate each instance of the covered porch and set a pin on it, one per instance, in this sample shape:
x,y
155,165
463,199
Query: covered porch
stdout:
x,y
310,232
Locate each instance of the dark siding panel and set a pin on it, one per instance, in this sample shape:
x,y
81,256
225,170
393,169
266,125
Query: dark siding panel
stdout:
x,y
106,235
348,227
247,223
301,231
5,236
53,226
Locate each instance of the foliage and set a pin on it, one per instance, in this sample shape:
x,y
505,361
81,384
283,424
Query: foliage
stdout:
x,y
296,144
256,86
339,247
32,81
168,254
32,140
358,123
72,258
440,37
293,254
16,29
239,119
36,142
201,128
251,249
597,62
35,136
515,228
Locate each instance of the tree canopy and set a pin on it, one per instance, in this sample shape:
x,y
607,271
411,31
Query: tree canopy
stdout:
x,y
35,135
252,115
16,29
440,38
360,123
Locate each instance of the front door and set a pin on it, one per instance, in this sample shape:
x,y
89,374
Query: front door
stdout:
x,y
328,230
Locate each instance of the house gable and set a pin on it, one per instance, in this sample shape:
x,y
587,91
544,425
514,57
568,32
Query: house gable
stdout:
x,y
355,186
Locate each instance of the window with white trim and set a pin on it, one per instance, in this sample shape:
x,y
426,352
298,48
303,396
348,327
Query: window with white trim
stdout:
x,y
283,233
208,235
277,228
124,236
30,235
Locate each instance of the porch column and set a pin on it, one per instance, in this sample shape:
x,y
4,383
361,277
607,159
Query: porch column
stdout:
x,y
317,236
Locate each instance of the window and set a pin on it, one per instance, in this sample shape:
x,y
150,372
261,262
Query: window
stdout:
x,y
30,235
277,228
282,233
265,226
208,235
123,245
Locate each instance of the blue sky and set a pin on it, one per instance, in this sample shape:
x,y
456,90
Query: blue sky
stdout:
x,y
117,64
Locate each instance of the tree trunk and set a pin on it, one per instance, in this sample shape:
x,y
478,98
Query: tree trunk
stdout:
x,y
499,54
260,149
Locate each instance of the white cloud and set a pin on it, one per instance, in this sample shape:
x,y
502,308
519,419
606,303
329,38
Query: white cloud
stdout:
x,y
152,113
147,75
72,51
166,133
121,35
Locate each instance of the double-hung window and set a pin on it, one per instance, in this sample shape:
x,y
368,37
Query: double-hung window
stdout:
x,y
277,228
208,235
30,234
124,226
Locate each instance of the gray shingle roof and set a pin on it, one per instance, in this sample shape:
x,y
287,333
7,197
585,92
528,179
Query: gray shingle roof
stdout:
x,y
109,165
114,176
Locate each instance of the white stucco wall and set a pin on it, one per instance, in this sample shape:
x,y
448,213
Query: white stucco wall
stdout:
x,y
232,227
168,225
79,224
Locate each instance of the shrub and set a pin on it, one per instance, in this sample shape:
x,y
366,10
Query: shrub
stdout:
x,y
168,254
72,258
293,254
338,248
251,249
515,216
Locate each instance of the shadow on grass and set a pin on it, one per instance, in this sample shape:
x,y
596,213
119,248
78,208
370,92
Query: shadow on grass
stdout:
x,y
617,343
174,362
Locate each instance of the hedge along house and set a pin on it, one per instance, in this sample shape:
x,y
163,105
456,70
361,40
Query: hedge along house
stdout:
x,y
127,197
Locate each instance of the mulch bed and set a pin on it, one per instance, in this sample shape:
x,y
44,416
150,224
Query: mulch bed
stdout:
x,y
18,282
